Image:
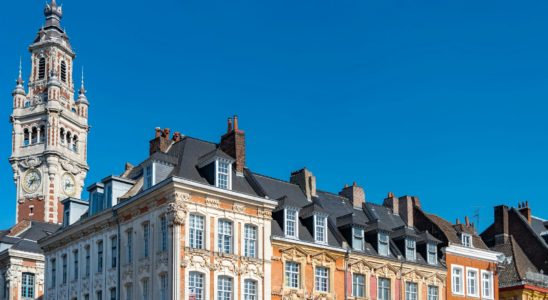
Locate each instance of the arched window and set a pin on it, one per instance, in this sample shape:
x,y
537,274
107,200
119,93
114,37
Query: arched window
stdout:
x,y
42,68
250,289
42,134
196,285
62,136
27,103
69,138
63,71
26,137
75,143
34,135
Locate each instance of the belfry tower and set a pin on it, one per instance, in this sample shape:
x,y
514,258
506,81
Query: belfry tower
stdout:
x,y
50,126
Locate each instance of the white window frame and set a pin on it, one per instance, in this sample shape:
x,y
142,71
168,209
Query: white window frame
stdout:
x,y
321,279
432,296
358,237
358,289
411,294
320,222
222,234
197,231
467,240
384,288
434,260
461,279
202,288
383,243
225,292
410,249
251,289
489,281
290,273
228,174
149,176
475,282
295,222
28,285
251,234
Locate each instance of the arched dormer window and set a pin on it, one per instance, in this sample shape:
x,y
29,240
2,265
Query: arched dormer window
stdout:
x,y
62,136
42,68
63,71
34,135
26,137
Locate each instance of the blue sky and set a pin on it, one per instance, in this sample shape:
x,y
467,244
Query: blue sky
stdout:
x,y
445,100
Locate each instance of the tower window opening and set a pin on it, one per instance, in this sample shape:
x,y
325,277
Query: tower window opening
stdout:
x,y
62,136
74,145
42,68
69,139
26,139
34,135
42,134
63,71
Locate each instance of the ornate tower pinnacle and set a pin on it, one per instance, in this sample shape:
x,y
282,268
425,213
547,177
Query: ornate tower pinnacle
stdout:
x,y
54,14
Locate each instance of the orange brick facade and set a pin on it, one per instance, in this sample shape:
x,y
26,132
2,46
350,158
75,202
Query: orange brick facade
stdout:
x,y
467,262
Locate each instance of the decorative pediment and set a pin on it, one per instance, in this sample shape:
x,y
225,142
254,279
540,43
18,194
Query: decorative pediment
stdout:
x,y
293,253
386,270
413,275
323,259
361,266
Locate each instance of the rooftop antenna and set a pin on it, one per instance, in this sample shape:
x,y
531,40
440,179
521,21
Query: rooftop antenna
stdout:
x,y
476,217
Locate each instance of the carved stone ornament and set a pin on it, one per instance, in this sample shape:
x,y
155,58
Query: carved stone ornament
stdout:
x,y
212,202
177,209
31,162
266,214
238,208
70,167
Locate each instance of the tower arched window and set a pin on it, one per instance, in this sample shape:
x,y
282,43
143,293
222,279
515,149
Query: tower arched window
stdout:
x,y
26,138
69,138
27,103
42,68
42,134
62,136
63,71
34,135
75,143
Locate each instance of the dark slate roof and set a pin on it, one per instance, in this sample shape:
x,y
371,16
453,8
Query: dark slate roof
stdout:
x,y
519,264
383,213
540,227
451,232
27,240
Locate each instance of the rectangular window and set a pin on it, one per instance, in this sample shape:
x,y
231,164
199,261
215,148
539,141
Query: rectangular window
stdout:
x,y
411,291
163,233
487,284
75,260
250,240
383,244
196,285
196,232
358,285
129,291
472,282
113,294
225,236
163,286
292,274
457,280
291,222
146,239
466,240
410,249
357,239
250,289
145,289
129,246
88,261
100,256
433,292
64,261
86,297
320,229
224,288
53,272
99,295
322,279
114,251
383,290
432,255
149,177
223,175
27,286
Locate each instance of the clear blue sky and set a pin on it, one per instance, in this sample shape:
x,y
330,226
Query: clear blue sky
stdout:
x,y
446,100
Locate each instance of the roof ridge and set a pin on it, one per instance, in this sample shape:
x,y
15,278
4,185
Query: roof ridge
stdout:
x,y
272,178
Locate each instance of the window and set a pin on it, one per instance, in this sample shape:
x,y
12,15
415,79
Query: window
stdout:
x,y
74,145
149,176
358,285
196,232
357,239
432,255
163,233
129,291
383,244
410,249
86,297
472,282
145,289
196,285
113,294
223,174
26,138
411,291
163,286
53,272
42,68
433,292
320,229
322,279
457,280
250,289
292,274
383,290
27,105
88,260
487,284
114,251
99,295
291,223
64,261
100,256
250,240
34,136
62,136
27,286
63,71
225,236
466,240
146,239
224,288
42,134
75,254
129,247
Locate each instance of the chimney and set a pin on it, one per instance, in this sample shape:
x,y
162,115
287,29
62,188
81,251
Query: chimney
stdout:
x,y
160,142
406,209
525,210
233,144
177,137
392,202
306,181
355,193
467,221
501,224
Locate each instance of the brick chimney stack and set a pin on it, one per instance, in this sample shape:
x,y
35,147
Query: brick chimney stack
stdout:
x,y
501,224
233,144
392,202
160,142
407,209
354,193
525,210
306,181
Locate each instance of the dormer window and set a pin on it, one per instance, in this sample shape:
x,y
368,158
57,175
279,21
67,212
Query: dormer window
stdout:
x,y
432,253
223,178
410,249
320,229
357,239
466,240
149,176
383,247
291,229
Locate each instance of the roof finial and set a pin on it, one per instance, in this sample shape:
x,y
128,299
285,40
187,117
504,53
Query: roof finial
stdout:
x,y
82,87
20,77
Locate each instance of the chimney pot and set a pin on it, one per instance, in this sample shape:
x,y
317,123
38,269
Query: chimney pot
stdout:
x,y
466,221
525,210
158,132
392,202
457,221
233,144
229,129
354,193
235,123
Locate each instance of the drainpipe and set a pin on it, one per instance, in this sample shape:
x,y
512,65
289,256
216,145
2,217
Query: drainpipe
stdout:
x,y
346,259
118,254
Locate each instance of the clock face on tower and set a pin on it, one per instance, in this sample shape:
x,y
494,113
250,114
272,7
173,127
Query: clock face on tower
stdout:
x,y
68,184
31,181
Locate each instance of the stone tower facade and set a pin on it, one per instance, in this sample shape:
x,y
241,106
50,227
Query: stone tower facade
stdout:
x,y
50,126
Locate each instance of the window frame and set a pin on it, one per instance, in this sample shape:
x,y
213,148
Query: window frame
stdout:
x,y
114,252
476,281
360,238
193,231
461,290
225,238
411,249
430,295
380,242
146,239
322,226
129,246
100,256
164,233
224,291
321,279
76,262
466,240
434,260
382,288
490,281
28,285
411,294
250,292
64,268
203,283
294,221
356,286
223,167
251,237
292,275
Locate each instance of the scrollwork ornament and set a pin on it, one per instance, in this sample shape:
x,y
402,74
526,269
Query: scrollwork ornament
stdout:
x,y
177,209
31,162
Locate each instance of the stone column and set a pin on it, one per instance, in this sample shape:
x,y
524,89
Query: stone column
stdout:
x,y
176,213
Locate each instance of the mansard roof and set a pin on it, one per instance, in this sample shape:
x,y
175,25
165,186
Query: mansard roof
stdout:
x,y
27,238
